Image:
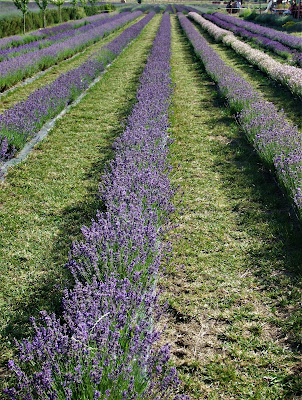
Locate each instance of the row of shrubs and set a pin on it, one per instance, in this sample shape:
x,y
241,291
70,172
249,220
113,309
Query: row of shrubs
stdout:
x,y
13,25
283,22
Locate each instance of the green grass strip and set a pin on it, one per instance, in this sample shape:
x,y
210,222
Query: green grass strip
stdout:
x,y
233,287
271,90
22,92
45,200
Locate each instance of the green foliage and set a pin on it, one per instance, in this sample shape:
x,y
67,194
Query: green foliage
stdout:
x,y
59,4
79,13
279,21
22,5
42,4
289,26
245,13
13,25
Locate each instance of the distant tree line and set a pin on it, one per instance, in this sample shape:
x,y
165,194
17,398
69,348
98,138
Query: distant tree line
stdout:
x,y
77,9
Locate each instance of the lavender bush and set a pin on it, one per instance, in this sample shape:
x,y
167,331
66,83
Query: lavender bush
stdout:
x,y
293,42
103,347
20,67
51,39
278,141
275,46
287,75
18,40
25,118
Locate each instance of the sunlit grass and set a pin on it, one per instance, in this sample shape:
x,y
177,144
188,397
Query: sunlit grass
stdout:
x,y
234,284
45,200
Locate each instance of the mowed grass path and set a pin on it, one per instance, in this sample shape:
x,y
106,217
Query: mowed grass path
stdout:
x,y
270,89
233,286
21,92
46,199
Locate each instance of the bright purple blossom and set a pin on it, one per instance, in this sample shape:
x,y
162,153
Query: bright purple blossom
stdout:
x,y
293,42
25,118
263,41
102,345
20,67
278,141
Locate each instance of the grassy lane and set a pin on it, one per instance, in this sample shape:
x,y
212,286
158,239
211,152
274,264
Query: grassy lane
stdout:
x,y
45,200
233,286
22,92
271,90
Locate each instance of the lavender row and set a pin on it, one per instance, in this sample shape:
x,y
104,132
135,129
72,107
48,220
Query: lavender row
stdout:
x,y
22,121
275,46
278,141
101,348
18,68
18,40
59,37
184,9
289,76
292,41
45,32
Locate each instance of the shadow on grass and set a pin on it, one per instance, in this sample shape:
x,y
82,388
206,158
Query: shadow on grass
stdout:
x,y
46,293
265,214
272,90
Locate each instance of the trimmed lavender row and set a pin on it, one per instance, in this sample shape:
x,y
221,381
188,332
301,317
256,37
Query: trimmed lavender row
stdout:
x,y
103,350
45,32
20,67
289,76
24,119
182,8
59,37
277,47
289,40
278,141
18,40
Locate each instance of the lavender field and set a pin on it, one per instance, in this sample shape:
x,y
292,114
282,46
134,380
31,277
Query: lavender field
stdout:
x,y
150,209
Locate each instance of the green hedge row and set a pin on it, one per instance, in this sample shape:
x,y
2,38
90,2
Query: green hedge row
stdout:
x,y
13,25
283,22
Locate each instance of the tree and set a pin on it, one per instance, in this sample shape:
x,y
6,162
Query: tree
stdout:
x,y
92,8
92,3
42,4
58,3
22,5
83,3
74,3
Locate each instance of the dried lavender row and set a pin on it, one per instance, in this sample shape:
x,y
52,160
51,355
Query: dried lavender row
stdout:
x,y
20,67
24,119
287,75
59,37
278,142
17,40
102,351
289,40
277,47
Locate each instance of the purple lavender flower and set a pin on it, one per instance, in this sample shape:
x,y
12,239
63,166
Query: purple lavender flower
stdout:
x,y
24,65
102,345
25,118
263,41
277,141
288,40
